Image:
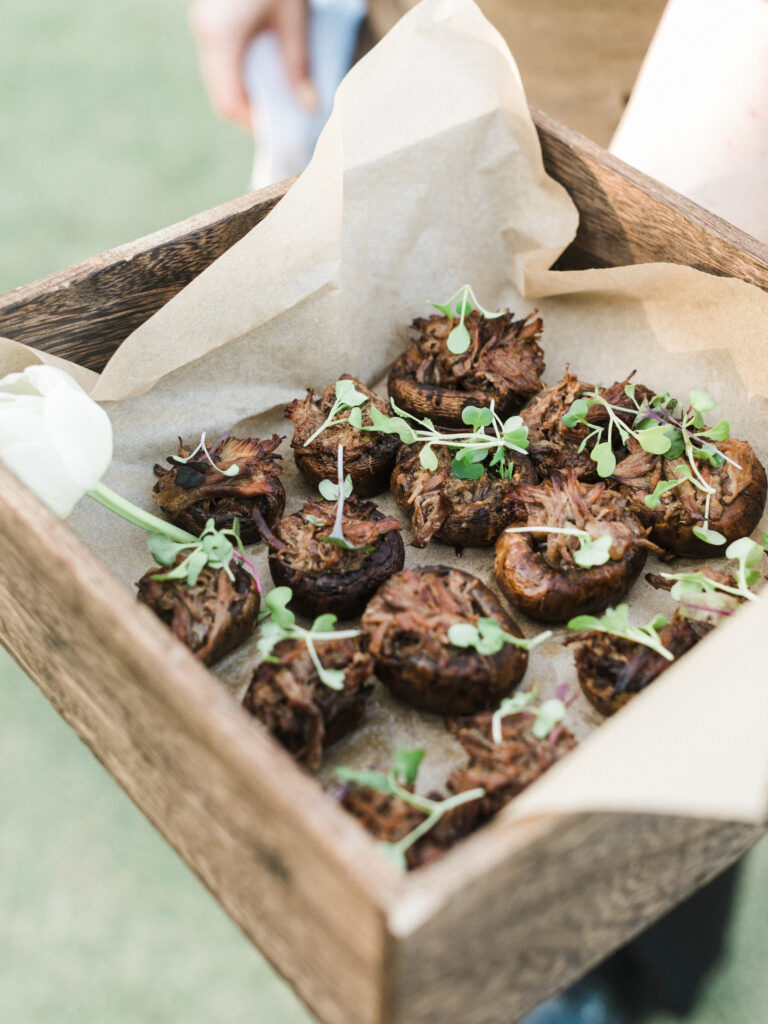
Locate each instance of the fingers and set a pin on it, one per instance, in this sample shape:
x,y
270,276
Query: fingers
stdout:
x,y
290,20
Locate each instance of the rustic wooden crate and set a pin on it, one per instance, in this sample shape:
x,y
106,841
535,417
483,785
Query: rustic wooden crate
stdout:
x,y
513,914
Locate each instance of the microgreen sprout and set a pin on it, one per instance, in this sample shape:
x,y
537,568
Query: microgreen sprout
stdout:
x,y
616,622
471,447
488,636
592,551
402,774
658,432
347,398
466,300
279,623
547,716
338,492
208,454
213,548
690,587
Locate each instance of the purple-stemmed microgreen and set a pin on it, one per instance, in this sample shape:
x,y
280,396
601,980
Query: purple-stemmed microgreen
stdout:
x,y
592,551
690,587
471,448
214,549
658,432
187,476
488,636
546,717
279,623
465,300
338,492
402,774
347,399
616,622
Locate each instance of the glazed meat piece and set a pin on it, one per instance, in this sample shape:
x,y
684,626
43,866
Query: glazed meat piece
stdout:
x,y
299,710
553,447
537,571
736,504
325,577
389,819
504,363
212,616
465,513
504,769
612,669
406,624
368,455
195,492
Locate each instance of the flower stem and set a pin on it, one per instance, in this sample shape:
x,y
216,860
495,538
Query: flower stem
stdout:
x,y
145,520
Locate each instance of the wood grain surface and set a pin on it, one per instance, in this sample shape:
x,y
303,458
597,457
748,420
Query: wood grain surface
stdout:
x,y
85,312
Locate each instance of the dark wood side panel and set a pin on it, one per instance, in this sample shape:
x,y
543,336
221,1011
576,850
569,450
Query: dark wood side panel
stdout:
x,y
526,929
85,312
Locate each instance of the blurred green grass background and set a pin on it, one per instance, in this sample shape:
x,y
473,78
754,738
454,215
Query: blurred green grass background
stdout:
x,y
107,136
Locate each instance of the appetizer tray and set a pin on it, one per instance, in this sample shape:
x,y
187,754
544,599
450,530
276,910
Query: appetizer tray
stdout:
x,y
512,914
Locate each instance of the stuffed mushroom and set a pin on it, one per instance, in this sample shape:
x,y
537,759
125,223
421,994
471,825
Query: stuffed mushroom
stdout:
x,y
211,616
546,571
465,513
406,624
503,364
304,714
327,577
192,492
368,455
504,769
612,669
728,498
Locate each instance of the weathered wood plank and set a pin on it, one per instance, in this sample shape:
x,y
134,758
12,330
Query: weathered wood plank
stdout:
x,y
295,872
539,915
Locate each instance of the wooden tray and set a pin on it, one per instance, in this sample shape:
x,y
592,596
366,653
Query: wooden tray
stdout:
x,y
513,914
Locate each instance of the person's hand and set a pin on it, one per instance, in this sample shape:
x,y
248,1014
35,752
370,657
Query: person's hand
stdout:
x,y
224,28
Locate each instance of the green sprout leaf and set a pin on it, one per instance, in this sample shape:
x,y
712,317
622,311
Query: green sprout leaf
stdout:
x,y
616,622
745,550
720,432
655,439
477,417
466,469
549,716
428,459
602,455
347,394
330,490
701,401
213,549
277,602
406,763
576,415
709,536
459,339
162,549
488,636
392,425
593,552
367,777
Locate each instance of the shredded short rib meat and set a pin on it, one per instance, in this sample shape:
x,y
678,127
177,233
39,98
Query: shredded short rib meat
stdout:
x,y
612,669
553,447
368,455
299,710
465,513
736,505
504,362
325,577
213,616
504,769
191,494
407,623
538,573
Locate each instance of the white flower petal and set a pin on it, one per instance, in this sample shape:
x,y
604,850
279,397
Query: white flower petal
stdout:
x,y
81,433
39,466
48,380
20,420
17,384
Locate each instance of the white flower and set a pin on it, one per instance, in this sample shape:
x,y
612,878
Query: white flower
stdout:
x,y
53,436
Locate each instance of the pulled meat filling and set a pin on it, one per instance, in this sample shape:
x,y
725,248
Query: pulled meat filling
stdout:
x,y
504,358
302,534
480,508
555,447
390,819
308,415
299,710
192,493
504,769
212,616
612,669
594,508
